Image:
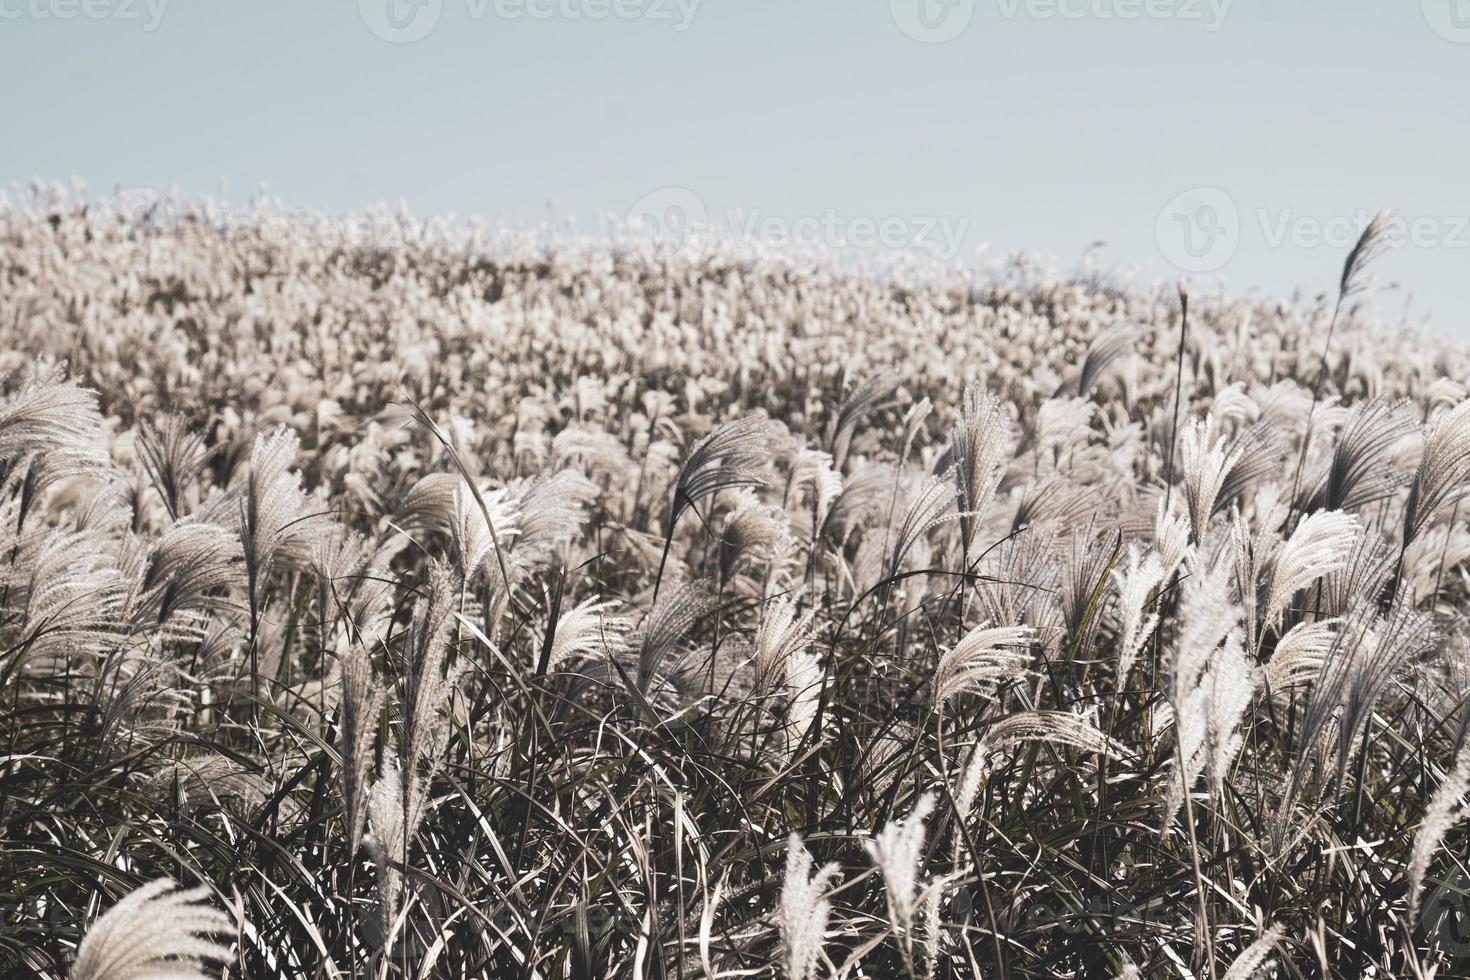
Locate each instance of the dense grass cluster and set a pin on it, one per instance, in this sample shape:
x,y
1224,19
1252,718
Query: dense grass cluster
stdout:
x,y
491,605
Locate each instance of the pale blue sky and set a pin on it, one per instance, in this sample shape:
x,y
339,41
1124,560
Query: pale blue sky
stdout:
x,y
1040,126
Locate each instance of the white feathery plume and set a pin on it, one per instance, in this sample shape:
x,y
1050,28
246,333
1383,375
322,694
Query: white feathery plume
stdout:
x,y
981,442
983,658
430,502
470,533
550,513
812,469
1062,727
866,398
933,923
1431,556
50,428
928,507
600,452
471,482
665,628
1062,422
190,562
1210,682
804,679
897,851
1444,392
1232,404
155,932
1207,721
173,456
212,776
1255,958
587,630
1245,551
67,595
1230,684
426,680
731,456
1056,502
1361,470
1446,808
357,723
753,532
804,912
48,412
1207,616
870,495
1319,545
1106,349
913,422
1205,464
1137,582
273,508
1443,470
782,634
396,808
1171,536
1376,238
1299,655
274,520
972,778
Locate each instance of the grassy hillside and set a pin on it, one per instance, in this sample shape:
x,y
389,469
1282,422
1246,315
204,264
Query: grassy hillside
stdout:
x,y
470,604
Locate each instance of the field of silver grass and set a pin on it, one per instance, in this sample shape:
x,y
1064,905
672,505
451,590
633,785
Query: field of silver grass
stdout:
x,y
494,605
